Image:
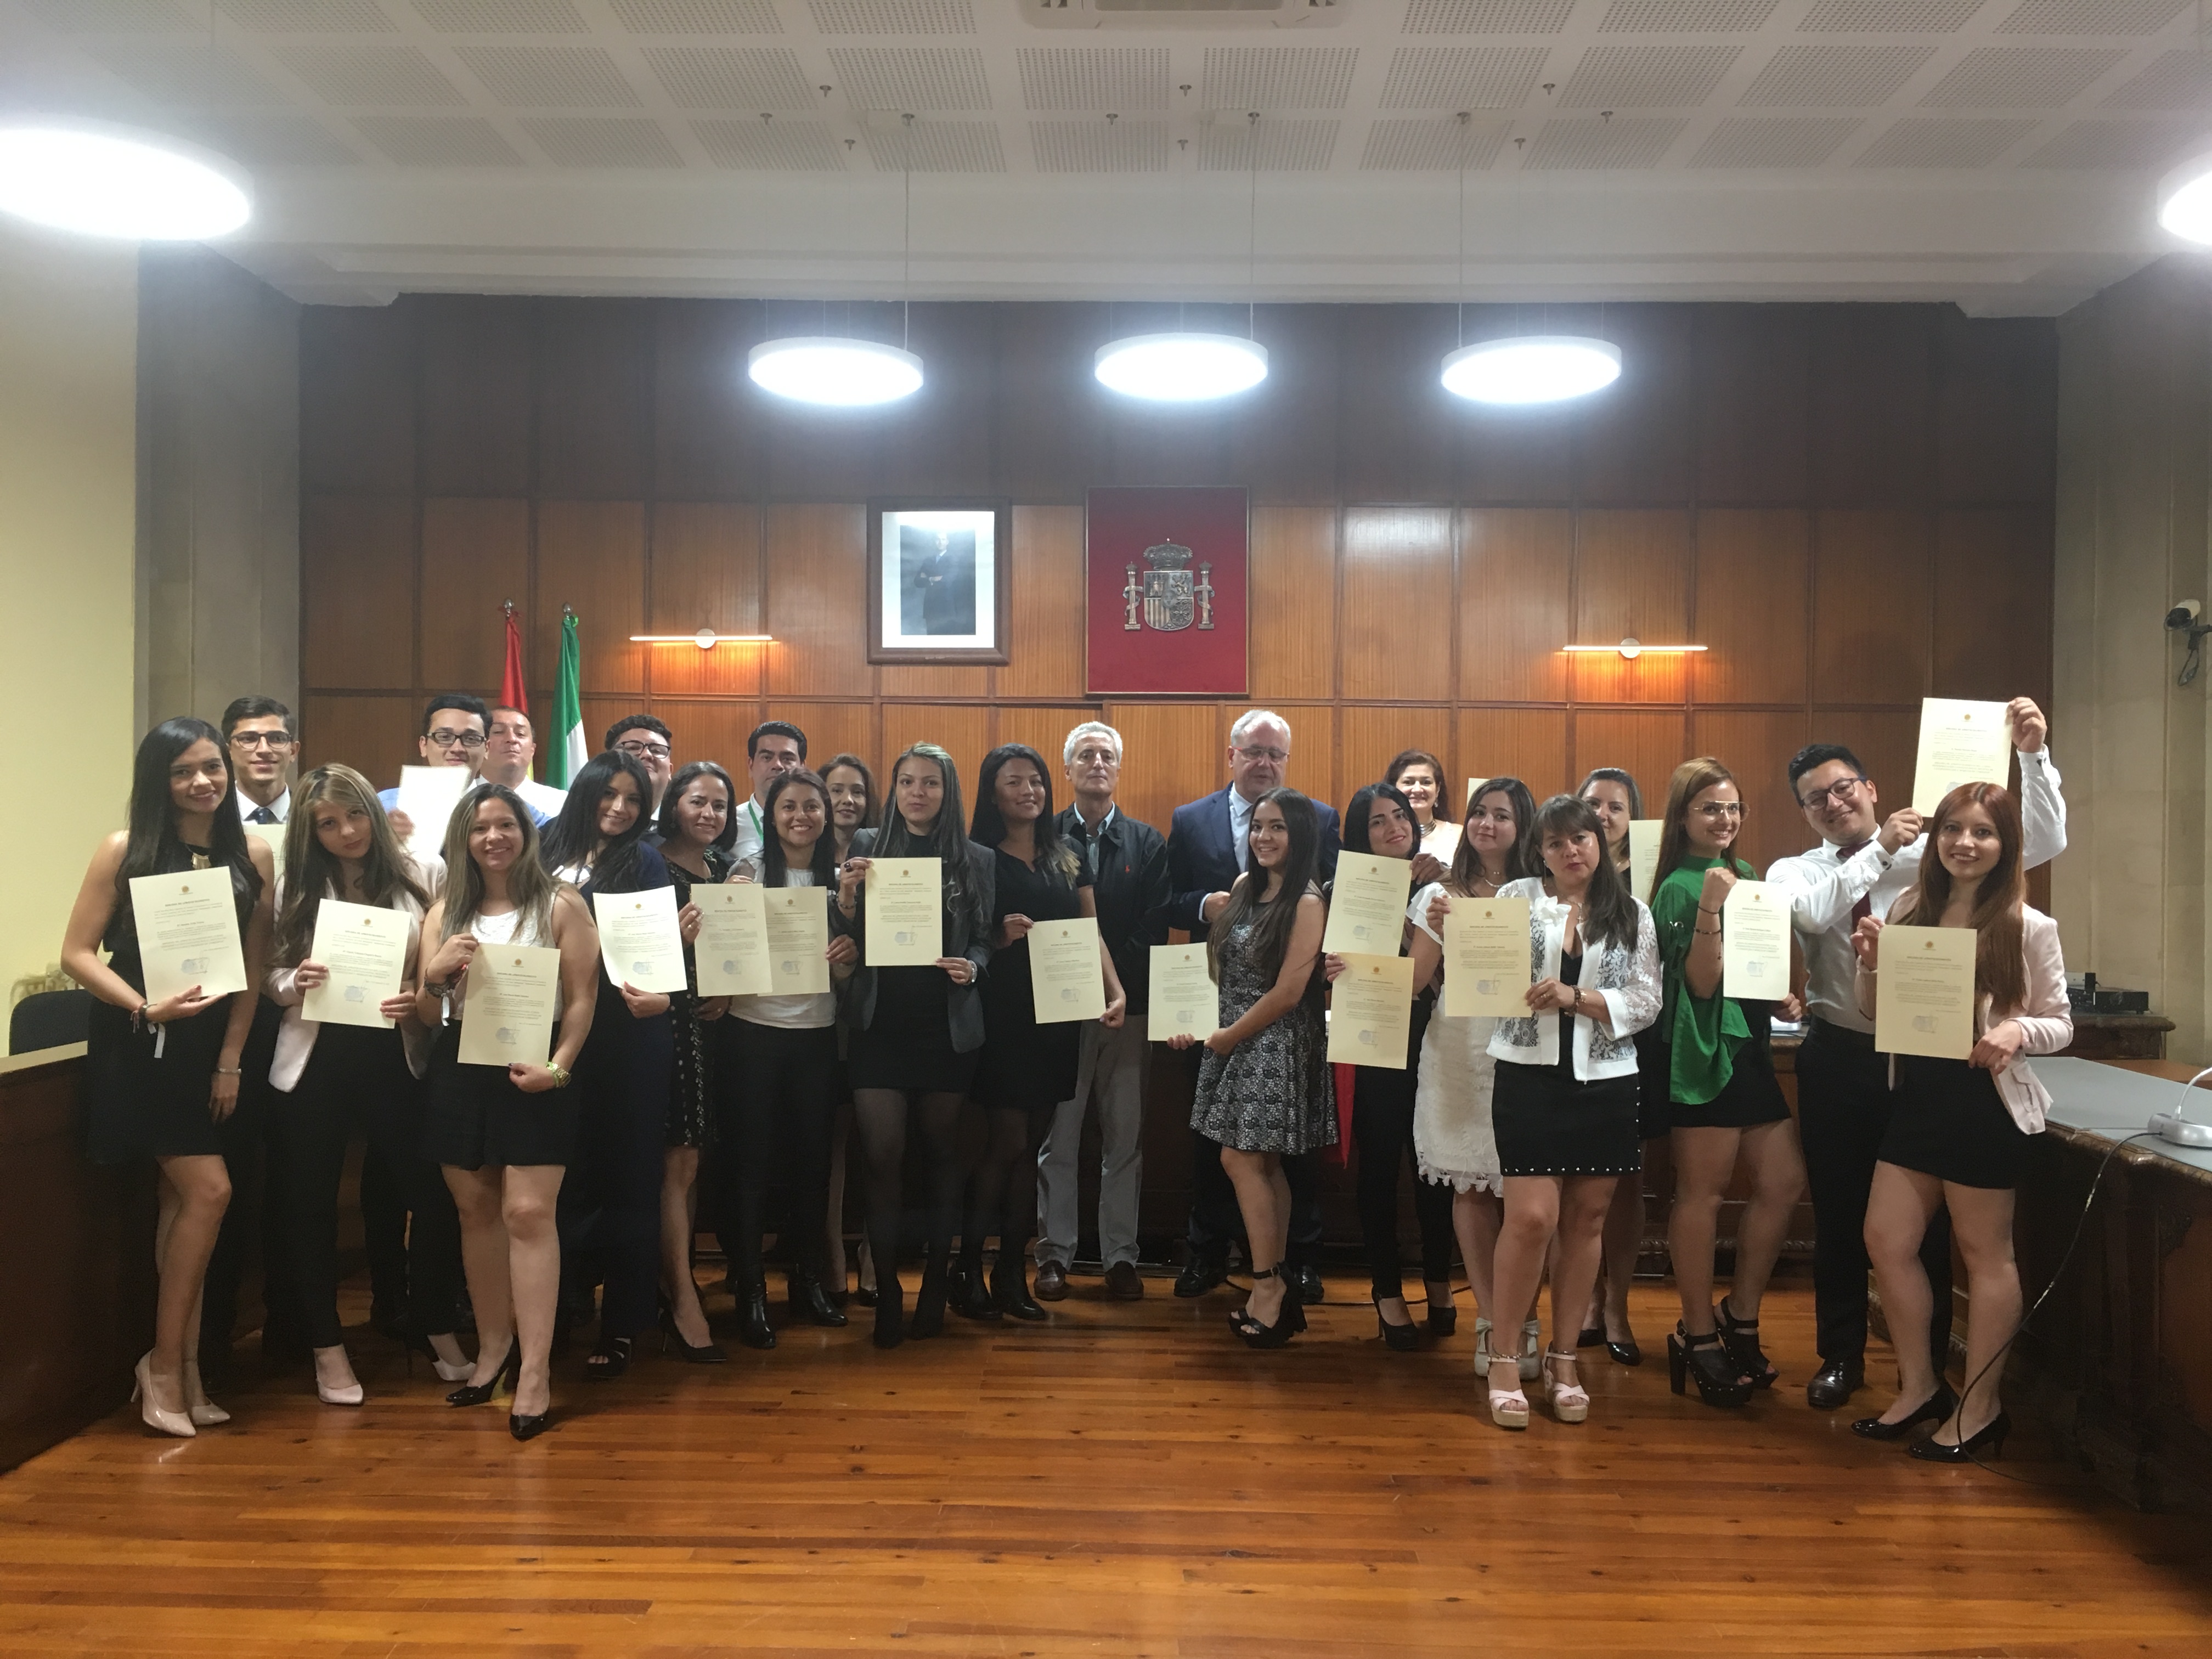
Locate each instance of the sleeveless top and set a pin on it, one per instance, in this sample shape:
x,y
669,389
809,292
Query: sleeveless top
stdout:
x,y
506,929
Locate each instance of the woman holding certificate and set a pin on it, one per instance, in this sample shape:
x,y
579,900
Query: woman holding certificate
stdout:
x,y
1958,1136
1722,1100
917,1023
695,832
1379,823
852,808
611,1208
1028,1066
1263,1085
1455,1146
349,1054
1565,1110
503,1134
171,1010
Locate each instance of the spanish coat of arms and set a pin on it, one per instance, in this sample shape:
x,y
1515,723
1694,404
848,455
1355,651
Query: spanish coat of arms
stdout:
x,y
1169,598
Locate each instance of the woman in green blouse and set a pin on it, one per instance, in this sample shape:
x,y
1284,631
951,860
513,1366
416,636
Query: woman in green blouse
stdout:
x,y
1722,1100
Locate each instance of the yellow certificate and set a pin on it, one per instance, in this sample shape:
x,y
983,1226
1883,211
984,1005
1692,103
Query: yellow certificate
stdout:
x,y
1754,943
732,948
1473,784
188,934
271,836
1487,972
1959,743
428,794
1370,1011
364,948
905,919
512,997
1066,979
639,940
1644,856
1185,1001
1367,906
798,930
1923,1001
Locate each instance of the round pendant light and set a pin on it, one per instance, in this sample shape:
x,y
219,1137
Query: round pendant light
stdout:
x,y
2184,200
1181,369
1541,368
840,373
102,180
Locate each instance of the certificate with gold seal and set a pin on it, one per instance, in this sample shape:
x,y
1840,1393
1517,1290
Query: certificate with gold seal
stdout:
x,y
905,923
1370,1011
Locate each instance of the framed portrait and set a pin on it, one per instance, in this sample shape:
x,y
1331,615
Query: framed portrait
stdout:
x,y
940,580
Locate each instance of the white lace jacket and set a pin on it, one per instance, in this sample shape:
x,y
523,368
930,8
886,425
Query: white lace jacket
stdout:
x,y
1628,980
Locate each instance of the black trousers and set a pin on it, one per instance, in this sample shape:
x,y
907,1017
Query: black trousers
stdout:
x,y
1382,1129
1215,1219
253,1204
608,1211
777,1112
1843,1102
357,1078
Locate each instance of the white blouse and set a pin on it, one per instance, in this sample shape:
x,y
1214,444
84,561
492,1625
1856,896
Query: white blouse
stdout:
x,y
1627,978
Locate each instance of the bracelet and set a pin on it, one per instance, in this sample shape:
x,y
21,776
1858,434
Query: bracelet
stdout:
x,y
1704,912
1707,933
230,1071
561,1073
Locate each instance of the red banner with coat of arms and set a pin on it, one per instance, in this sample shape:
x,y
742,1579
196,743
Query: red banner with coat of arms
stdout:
x,y
1166,592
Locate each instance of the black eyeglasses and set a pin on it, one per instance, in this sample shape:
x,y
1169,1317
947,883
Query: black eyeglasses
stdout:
x,y
1840,791
445,739
261,739
645,750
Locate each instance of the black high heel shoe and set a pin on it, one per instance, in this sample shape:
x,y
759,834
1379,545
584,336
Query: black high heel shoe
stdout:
x,y
810,1303
1399,1339
1937,1407
1010,1289
1704,1359
1443,1317
1741,1338
478,1394
1989,1438
753,1328
707,1354
1290,1319
609,1360
528,1428
1626,1353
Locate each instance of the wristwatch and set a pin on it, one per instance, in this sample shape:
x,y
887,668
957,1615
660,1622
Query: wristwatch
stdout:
x,y
561,1073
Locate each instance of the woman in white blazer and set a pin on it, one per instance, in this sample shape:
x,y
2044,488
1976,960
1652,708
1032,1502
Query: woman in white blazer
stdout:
x,y
1959,1134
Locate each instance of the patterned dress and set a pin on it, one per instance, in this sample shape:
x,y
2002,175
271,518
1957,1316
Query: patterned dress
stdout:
x,y
1271,1092
690,1108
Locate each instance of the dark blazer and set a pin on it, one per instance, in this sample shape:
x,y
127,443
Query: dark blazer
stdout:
x,y
963,1006
1202,860
1130,888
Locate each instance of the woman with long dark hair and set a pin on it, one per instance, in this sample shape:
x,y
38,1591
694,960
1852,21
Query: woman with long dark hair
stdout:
x,y
1379,821
505,1135
1263,1085
1960,1134
917,1031
1420,776
1027,1068
852,808
332,1077
161,1076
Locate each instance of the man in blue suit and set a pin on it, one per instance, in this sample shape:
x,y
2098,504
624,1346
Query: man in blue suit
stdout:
x,y
1205,852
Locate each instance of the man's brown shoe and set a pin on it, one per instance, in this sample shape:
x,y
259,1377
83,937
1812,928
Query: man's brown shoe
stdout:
x,y
1122,1283
1051,1282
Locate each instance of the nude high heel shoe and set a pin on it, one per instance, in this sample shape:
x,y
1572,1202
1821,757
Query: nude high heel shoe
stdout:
x,y
203,1410
142,1394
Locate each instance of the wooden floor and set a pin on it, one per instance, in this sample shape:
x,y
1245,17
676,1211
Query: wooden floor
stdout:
x,y
1128,1480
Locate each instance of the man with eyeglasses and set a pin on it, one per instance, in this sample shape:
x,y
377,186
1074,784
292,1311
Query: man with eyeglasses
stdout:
x,y
453,728
773,748
646,741
1862,867
258,732
1206,851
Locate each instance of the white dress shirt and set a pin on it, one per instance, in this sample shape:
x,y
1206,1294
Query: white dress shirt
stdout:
x,y
752,836
1824,887
280,809
542,797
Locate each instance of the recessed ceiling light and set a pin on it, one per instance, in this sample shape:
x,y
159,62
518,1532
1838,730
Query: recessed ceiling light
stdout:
x,y
101,180
1181,369
1542,368
2184,200
840,373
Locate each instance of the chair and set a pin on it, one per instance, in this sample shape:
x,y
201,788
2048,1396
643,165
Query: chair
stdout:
x,y
49,1019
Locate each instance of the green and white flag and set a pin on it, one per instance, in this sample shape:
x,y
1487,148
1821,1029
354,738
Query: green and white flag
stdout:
x,y
570,750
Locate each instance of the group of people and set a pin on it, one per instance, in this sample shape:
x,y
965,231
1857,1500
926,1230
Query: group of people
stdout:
x,y
536,1199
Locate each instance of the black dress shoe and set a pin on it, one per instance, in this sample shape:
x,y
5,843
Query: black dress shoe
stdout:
x,y
753,1328
1834,1383
970,1294
528,1428
810,1303
1198,1276
1989,1438
1010,1289
1306,1283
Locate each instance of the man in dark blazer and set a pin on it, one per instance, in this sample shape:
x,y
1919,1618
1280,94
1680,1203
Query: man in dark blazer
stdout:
x,y
1206,851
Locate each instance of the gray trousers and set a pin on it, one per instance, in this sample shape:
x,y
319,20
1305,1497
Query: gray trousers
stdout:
x,y
1113,1062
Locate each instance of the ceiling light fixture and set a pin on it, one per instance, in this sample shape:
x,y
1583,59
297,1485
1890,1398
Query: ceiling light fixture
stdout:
x,y
2184,200
1633,647
706,639
1534,368
99,179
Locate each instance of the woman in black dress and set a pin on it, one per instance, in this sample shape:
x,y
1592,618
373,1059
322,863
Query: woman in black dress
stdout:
x,y
503,1135
1027,1067
695,832
852,808
160,1077
916,1031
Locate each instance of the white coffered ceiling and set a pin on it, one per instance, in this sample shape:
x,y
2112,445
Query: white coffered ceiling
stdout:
x,y
1999,152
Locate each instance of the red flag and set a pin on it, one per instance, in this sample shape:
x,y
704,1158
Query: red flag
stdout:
x,y
511,693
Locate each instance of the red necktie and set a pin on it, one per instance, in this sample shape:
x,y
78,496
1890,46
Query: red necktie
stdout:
x,y
1864,908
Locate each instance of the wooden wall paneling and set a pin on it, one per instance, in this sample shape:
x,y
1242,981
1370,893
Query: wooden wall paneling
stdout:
x,y
1871,594
476,373
832,728
1172,752
1164,445
1634,447
1527,744
703,571
594,397
705,437
601,712
1756,747
1646,744
357,399
1293,620
707,729
1632,574
935,680
1368,738
1312,770
1998,409
963,730
1753,372
1886,745
1046,653
1394,603
357,568
1750,604
1516,609
591,555
1046,406
1045,729
939,443
476,556
1874,404
1993,596
1397,437
1283,442
818,562
374,735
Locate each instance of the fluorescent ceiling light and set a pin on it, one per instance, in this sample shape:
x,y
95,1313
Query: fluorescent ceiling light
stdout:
x,y
102,180
1181,369
844,374
2184,200
1542,368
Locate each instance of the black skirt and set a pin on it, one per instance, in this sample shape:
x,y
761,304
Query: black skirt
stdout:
x,y
909,1046
1549,1124
472,1116
136,1106
1750,1097
1947,1120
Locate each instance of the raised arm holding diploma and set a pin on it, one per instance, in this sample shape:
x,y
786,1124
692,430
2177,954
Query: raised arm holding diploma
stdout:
x,y
639,940
1959,743
427,795
364,947
905,922
1367,905
1755,943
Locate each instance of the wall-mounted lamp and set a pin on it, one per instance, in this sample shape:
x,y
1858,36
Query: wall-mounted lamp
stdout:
x,y
706,639
1632,648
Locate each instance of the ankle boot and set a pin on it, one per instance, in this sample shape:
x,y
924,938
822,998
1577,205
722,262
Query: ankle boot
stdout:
x,y
929,1301
1010,1283
809,1300
970,1293
753,1329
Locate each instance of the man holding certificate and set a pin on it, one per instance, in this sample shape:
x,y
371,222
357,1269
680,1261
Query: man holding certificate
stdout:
x,y
454,725
1958,1014
1862,866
